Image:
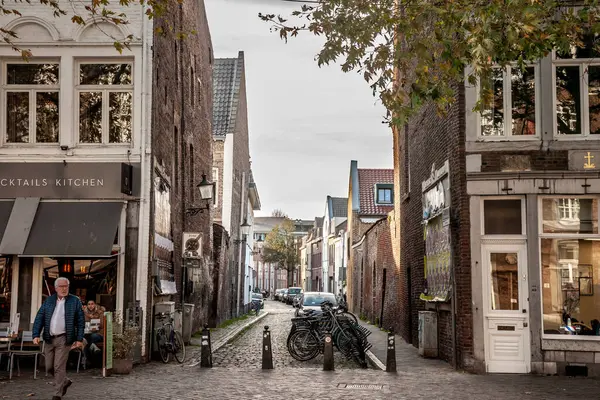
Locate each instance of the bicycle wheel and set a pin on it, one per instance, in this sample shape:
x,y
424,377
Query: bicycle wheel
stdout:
x,y
178,347
352,346
303,345
161,341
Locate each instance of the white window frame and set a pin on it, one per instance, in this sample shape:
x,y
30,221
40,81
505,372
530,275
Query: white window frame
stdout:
x,y
105,89
583,64
563,236
32,90
507,108
523,234
215,173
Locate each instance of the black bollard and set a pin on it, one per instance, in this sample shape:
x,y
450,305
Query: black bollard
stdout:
x,y
328,353
267,351
206,352
390,362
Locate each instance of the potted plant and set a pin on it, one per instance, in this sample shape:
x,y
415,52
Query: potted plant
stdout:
x,y
124,340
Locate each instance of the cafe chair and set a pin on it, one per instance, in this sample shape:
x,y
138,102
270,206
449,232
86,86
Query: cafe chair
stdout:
x,y
26,349
5,348
80,358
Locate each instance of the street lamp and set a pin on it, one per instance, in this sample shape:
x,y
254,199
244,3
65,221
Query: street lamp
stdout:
x,y
206,189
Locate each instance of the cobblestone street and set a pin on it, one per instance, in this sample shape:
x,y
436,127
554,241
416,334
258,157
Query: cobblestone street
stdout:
x,y
237,375
245,351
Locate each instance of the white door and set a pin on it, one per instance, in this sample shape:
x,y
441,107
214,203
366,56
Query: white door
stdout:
x,y
507,343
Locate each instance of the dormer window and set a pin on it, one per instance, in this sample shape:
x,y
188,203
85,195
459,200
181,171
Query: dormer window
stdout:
x,y
384,193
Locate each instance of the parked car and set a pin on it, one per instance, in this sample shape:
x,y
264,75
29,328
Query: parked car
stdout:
x,y
313,300
284,295
278,294
259,298
292,292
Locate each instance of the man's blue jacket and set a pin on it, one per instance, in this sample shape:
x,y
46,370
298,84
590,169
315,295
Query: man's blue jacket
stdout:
x,y
74,319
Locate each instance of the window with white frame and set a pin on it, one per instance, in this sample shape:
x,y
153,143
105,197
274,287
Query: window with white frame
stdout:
x,y
105,96
570,266
577,90
384,193
215,174
510,103
31,92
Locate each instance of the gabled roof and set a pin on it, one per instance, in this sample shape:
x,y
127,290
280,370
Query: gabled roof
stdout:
x,y
367,180
338,207
227,80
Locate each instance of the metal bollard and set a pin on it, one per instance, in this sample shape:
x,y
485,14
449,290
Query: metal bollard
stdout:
x,y
328,353
267,350
206,353
390,362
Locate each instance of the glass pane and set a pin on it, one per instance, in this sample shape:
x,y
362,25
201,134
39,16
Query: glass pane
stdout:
x,y
105,74
32,74
120,117
90,117
492,116
594,99
570,289
568,100
5,290
504,281
569,215
46,123
523,101
17,117
502,217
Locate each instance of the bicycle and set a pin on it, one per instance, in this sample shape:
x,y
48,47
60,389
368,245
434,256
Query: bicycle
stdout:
x,y
169,340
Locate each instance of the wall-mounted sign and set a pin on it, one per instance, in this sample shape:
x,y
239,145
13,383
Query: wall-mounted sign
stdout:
x,y
584,160
436,192
69,180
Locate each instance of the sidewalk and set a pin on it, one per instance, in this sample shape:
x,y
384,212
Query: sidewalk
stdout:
x,y
407,356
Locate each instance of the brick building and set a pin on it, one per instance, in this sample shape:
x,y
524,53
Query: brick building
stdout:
x,y
503,207
232,174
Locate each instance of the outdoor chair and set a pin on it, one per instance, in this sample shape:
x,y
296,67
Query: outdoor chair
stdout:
x,y
26,349
4,349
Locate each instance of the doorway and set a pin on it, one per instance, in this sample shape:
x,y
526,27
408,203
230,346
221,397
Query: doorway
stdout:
x,y
507,332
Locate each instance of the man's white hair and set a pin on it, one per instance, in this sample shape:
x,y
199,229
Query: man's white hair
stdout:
x,y
61,279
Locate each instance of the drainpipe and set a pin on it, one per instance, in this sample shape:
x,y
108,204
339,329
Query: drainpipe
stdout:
x,y
241,242
181,153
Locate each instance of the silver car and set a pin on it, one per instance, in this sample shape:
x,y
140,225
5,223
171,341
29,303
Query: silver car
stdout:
x,y
313,300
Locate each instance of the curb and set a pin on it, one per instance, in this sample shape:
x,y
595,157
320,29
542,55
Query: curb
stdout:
x,y
231,336
375,362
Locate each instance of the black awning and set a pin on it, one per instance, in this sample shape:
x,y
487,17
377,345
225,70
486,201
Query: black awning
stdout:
x,y
74,229
6,207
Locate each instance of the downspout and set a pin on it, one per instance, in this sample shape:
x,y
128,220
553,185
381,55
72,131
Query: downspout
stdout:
x,y
181,153
241,242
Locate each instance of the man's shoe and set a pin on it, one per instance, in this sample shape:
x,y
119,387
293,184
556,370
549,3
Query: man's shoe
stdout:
x,y
55,397
66,386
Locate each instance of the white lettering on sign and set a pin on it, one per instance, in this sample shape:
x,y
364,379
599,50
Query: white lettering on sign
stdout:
x,y
59,182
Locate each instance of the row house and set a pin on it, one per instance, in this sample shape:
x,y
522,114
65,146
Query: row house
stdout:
x,y
100,157
336,213
503,207
236,192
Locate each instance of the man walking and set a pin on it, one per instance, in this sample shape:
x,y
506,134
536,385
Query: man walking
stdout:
x,y
62,321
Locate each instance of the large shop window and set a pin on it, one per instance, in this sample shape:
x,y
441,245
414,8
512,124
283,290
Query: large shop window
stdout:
x,y
577,86
105,94
5,288
91,279
570,254
31,92
510,100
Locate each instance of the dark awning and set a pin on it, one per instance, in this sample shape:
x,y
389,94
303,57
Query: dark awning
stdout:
x,y
5,209
19,225
74,229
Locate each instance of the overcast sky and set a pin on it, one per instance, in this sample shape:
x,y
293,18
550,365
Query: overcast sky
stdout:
x,y
306,123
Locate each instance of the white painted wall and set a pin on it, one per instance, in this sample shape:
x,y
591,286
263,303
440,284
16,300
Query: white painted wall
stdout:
x,y
227,183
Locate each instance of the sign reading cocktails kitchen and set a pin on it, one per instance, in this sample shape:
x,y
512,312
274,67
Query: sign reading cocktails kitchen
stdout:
x,y
68,180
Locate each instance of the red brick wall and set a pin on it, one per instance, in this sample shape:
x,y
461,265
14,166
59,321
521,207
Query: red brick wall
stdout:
x,y
431,138
182,135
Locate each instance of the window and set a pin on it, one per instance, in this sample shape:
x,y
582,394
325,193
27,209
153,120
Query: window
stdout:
x,y
215,176
31,94
105,93
570,264
502,217
577,85
384,194
510,103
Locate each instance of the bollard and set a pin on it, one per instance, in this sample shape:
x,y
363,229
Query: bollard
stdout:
x,y
206,352
390,361
328,353
267,350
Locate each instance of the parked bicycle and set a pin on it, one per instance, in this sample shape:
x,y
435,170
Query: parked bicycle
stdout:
x,y
307,336
169,340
